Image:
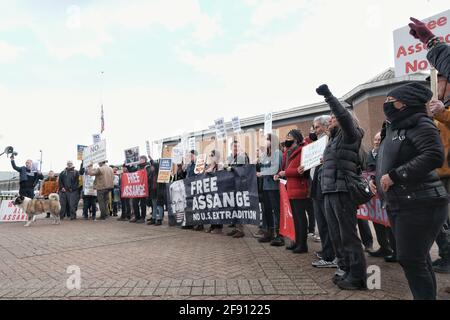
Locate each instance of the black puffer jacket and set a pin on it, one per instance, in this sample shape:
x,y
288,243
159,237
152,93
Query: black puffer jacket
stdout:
x,y
439,57
410,152
341,156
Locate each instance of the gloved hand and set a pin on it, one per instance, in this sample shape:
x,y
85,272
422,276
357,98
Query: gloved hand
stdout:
x,y
420,31
323,90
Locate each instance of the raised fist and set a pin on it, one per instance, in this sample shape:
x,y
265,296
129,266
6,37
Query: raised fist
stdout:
x,y
420,31
324,91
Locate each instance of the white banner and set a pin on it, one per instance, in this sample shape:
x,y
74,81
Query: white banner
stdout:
x,y
96,138
95,154
221,131
313,153
88,186
236,124
10,213
177,154
192,144
411,54
268,118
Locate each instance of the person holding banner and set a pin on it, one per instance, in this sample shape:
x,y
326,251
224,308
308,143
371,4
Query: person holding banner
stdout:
x,y
140,204
49,186
340,160
415,198
125,202
89,199
104,182
297,188
156,192
214,166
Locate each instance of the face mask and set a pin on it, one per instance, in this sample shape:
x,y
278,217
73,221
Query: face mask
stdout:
x,y
389,110
289,143
313,136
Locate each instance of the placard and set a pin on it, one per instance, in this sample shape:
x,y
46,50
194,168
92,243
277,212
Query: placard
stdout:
x,y
94,154
200,165
312,154
268,120
165,170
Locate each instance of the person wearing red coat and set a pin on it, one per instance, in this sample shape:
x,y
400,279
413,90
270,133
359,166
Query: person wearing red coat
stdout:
x,y
297,188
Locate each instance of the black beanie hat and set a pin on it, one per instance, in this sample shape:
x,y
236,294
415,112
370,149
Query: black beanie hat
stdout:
x,y
297,135
412,94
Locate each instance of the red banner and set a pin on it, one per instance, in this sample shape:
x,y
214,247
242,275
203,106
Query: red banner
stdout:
x,y
287,228
135,184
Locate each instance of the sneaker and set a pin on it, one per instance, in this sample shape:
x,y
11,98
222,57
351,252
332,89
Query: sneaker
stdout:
x,y
319,255
311,236
339,275
322,264
317,239
277,242
239,234
368,249
140,221
232,233
443,267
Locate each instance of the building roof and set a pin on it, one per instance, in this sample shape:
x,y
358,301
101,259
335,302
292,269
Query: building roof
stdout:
x,y
7,175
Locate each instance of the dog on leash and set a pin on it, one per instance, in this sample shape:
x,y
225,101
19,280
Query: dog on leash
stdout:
x,y
35,207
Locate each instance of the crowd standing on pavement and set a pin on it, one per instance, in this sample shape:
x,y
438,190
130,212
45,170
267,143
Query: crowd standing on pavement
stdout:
x,y
408,168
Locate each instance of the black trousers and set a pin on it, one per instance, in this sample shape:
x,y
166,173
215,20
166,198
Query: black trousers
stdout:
x,y
342,221
89,203
311,215
300,222
385,237
322,224
365,233
271,214
126,208
27,192
415,231
140,208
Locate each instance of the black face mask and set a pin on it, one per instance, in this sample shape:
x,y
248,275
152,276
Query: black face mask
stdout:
x,y
289,143
390,111
313,136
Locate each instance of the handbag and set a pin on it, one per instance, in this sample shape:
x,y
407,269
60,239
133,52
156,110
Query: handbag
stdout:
x,y
358,187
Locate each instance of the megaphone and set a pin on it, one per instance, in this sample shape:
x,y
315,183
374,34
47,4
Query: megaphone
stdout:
x,y
9,151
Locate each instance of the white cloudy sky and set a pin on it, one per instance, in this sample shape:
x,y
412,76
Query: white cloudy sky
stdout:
x,y
173,66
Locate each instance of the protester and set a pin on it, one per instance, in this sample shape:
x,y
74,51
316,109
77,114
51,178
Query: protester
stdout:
x,y
260,153
238,158
270,166
415,198
341,158
115,193
125,202
140,204
104,182
69,183
28,178
190,168
156,192
214,166
297,188
327,257
49,186
89,200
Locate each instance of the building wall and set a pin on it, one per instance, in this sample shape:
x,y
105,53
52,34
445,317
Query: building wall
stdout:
x,y
371,116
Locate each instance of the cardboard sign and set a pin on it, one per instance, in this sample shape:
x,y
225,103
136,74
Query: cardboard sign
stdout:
x,y
94,154
236,124
96,138
88,186
80,151
313,153
165,170
268,120
221,131
135,185
200,165
132,156
411,54
10,213
177,154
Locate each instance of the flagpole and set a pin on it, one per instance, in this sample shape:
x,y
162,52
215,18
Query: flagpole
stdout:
x,y
102,73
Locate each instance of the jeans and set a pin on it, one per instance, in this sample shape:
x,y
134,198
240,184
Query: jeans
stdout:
x,y
365,233
300,223
158,211
271,214
69,203
140,208
415,231
103,202
89,203
327,246
342,221
126,208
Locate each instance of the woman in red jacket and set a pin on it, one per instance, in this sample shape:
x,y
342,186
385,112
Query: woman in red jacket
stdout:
x,y
297,187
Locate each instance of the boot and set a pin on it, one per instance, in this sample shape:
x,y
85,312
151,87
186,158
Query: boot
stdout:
x,y
277,242
266,238
443,267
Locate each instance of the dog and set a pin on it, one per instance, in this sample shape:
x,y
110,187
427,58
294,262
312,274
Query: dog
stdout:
x,y
35,207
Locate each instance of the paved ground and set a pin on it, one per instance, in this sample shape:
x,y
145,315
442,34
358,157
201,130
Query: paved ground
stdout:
x,y
119,260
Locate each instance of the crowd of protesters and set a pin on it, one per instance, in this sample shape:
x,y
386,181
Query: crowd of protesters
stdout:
x,y
408,168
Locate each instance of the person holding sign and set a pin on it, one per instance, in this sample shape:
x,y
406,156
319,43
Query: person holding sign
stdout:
x,y
340,160
140,204
157,195
28,178
214,166
104,183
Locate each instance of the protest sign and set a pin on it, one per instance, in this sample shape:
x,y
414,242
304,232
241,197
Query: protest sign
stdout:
x,y
200,165
192,144
132,156
287,228
135,185
268,118
80,151
410,53
177,154
313,153
221,131
165,170
96,138
223,197
94,154
10,213
88,186
149,149
236,124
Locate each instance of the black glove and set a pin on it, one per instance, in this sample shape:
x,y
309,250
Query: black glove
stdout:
x,y
324,91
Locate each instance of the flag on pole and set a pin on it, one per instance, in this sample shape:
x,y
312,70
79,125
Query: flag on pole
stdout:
x,y
103,121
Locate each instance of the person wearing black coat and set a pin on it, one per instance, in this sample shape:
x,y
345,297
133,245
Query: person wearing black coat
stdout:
x,y
28,178
69,193
140,204
407,181
341,158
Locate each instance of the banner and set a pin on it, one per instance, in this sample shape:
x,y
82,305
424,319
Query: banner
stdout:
x,y
268,118
287,228
236,124
10,213
135,185
313,153
192,144
132,156
200,165
94,154
177,154
96,138
165,170
221,131
88,186
411,54
80,151
223,197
